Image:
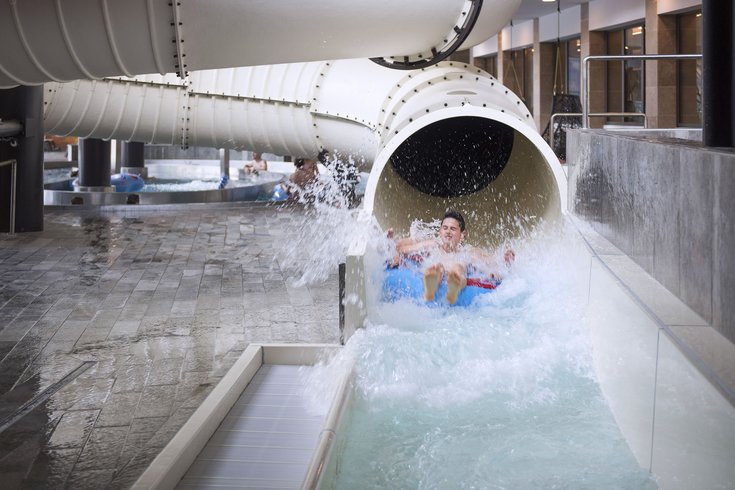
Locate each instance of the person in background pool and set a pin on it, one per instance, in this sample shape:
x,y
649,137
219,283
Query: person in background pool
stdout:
x,y
303,180
447,255
257,164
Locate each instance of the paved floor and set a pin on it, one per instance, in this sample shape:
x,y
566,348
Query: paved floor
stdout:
x,y
161,301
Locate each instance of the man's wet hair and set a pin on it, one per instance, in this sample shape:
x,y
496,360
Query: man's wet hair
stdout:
x,y
451,213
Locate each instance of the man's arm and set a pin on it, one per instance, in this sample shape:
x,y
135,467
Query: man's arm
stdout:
x,y
488,264
409,246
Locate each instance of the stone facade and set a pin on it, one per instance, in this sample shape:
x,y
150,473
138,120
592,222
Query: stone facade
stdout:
x,y
667,203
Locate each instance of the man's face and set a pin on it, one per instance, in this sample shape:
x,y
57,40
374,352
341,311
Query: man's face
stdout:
x,y
450,232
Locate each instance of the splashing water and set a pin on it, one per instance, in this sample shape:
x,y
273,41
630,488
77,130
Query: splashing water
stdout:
x,y
331,228
498,395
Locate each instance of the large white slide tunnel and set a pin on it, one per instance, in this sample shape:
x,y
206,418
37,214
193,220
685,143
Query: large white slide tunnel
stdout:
x,y
64,40
496,171
291,109
458,138
447,135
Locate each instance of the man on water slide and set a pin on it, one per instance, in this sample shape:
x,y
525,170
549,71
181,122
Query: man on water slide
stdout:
x,y
447,255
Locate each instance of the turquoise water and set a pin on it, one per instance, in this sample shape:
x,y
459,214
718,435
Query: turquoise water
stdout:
x,y
498,395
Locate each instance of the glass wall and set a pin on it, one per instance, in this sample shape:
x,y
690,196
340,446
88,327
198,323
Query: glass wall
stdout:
x,y
573,49
625,83
566,76
518,75
488,63
689,72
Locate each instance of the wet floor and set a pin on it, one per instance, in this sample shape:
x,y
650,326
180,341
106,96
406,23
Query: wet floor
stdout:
x,y
161,300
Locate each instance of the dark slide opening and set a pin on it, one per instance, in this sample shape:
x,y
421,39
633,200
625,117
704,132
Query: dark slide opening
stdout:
x,y
454,157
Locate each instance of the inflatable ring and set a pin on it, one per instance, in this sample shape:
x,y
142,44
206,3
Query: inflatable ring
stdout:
x,y
408,283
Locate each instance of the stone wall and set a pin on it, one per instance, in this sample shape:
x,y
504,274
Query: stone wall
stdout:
x,y
666,202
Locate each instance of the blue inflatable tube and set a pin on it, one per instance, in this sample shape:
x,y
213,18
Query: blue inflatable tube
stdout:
x,y
409,283
279,194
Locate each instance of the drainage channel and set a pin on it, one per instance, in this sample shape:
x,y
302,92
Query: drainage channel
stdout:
x,y
44,395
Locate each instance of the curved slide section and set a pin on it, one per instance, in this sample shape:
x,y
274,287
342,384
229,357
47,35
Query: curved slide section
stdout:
x,y
65,40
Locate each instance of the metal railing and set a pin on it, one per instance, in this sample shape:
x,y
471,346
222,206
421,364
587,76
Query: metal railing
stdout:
x,y
13,170
593,114
625,57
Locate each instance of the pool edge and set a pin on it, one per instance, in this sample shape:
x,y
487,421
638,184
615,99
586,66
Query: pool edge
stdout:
x,y
172,463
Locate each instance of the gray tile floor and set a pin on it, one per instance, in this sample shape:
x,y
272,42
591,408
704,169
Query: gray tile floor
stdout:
x,y
162,300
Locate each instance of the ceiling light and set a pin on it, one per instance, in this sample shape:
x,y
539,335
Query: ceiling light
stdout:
x,y
548,1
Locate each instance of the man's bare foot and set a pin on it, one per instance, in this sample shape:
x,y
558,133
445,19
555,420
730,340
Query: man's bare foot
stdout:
x,y
432,279
455,283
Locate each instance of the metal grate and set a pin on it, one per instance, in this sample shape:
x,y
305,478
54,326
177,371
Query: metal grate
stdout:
x,y
266,440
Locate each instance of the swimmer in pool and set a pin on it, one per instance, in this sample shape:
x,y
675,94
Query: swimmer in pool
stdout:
x,y
256,165
447,255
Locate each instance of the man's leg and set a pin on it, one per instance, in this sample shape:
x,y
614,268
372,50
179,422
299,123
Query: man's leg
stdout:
x,y
432,279
456,281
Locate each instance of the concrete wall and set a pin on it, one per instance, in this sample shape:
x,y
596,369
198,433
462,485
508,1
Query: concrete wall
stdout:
x,y
668,204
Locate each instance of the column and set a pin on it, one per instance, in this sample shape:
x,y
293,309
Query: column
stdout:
x,y
718,78
593,43
94,165
224,167
25,105
132,158
500,58
660,78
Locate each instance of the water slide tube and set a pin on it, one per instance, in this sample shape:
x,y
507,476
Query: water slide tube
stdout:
x,y
445,135
65,40
489,160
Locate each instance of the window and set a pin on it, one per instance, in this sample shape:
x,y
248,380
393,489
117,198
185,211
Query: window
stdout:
x,y
573,49
566,74
689,72
569,53
488,63
518,75
625,83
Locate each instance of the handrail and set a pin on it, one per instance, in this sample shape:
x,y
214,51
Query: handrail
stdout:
x,y
594,114
13,170
622,57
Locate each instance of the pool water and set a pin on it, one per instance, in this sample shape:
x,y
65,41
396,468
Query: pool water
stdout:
x,y
177,185
498,395
56,174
